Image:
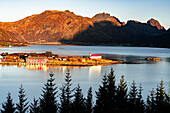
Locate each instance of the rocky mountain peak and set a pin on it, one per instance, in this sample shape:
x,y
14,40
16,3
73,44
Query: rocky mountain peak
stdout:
x,y
101,16
155,23
106,17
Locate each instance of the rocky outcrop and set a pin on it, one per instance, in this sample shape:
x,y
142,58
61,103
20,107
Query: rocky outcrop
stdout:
x,y
106,17
155,23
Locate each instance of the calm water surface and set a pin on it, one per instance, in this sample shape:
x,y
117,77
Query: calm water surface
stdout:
x,y
148,74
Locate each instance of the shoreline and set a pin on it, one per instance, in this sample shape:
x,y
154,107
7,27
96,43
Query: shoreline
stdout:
x,y
60,64
88,44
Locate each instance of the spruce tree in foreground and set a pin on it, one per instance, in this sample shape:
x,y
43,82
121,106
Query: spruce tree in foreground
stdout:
x,y
34,107
122,96
101,97
140,105
89,101
66,95
111,93
78,105
161,103
48,103
150,106
133,98
8,106
22,105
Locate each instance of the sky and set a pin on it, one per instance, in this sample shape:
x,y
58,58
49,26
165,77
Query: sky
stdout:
x,y
140,10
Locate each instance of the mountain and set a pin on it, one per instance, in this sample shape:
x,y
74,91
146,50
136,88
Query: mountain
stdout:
x,y
67,27
6,36
155,23
106,17
133,33
48,26
162,40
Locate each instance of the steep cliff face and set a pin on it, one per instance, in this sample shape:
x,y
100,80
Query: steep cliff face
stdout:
x,y
155,23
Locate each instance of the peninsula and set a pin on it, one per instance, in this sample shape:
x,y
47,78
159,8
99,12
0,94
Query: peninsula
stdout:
x,y
49,59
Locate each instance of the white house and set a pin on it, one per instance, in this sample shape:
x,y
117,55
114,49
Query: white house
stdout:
x,y
95,56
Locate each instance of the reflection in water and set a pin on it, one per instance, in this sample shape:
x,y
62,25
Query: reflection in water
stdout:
x,y
64,69
94,70
0,72
37,67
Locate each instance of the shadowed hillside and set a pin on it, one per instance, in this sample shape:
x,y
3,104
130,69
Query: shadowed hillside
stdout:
x,y
162,40
104,32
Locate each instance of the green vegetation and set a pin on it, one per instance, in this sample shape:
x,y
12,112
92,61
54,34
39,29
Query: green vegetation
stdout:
x,y
110,98
7,44
48,53
22,105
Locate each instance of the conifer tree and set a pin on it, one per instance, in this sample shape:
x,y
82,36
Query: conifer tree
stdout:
x,y
161,104
34,107
133,98
22,105
111,93
150,107
101,97
122,95
66,94
140,102
78,105
8,106
89,101
48,103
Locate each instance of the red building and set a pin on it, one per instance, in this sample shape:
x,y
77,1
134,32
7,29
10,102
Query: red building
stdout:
x,y
37,60
95,56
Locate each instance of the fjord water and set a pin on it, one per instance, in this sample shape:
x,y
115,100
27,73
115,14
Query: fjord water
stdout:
x,y
148,74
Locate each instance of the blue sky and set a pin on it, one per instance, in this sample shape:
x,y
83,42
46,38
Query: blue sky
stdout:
x,y
141,10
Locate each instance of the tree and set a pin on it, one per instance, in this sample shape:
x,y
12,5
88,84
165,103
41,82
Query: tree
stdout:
x,y
78,105
22,105
140,102
161,103
158,102
66,95
150,107
89,101
101,96
122,96
133,98
111,93
48,53
106,96
34,107
8,106
48,103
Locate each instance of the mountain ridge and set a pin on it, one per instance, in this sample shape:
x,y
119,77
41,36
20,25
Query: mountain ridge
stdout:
x,y
67,27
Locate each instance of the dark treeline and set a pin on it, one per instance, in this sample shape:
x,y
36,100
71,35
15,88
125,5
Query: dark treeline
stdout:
x,y
110,98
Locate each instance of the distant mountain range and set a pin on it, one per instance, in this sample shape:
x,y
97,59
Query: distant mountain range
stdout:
x,y
67,28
